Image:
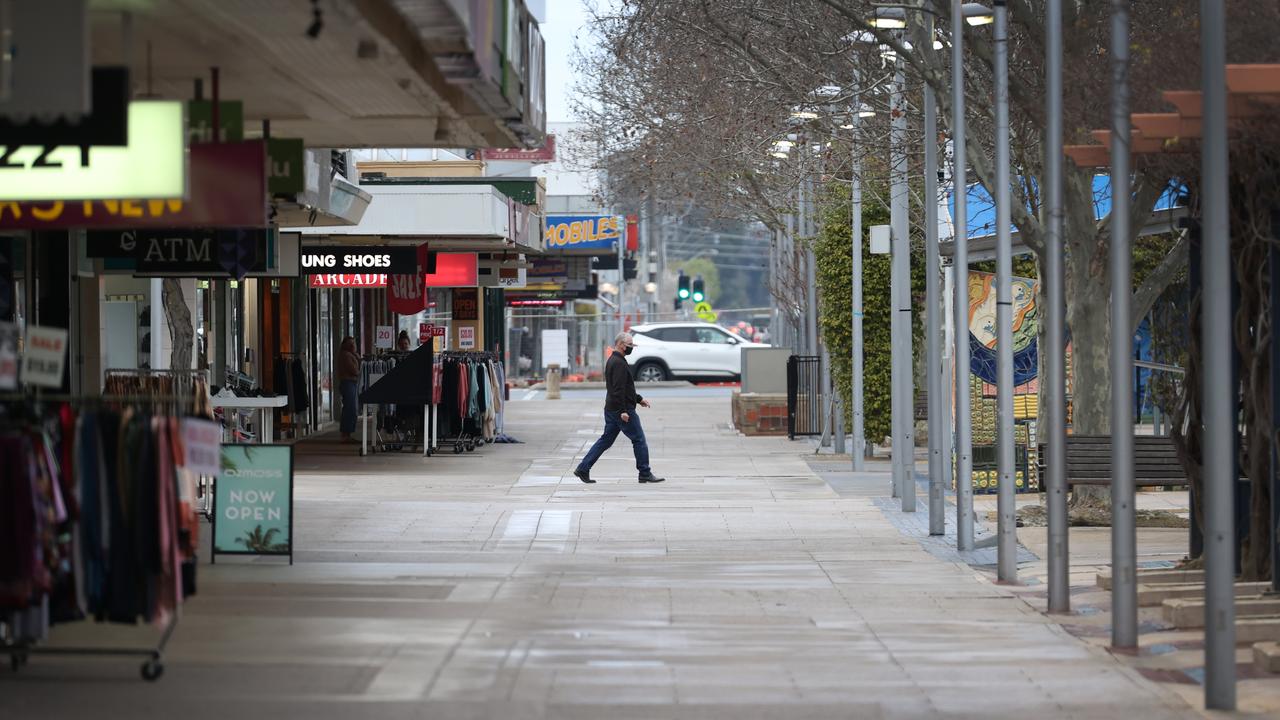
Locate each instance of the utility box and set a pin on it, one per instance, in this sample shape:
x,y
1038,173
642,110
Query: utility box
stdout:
x,y
764,369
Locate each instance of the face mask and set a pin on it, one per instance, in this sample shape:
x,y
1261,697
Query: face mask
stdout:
x,y
628,350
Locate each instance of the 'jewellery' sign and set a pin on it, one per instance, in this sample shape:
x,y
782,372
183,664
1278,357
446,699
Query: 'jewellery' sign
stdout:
x,y
152,165
544,154
583,232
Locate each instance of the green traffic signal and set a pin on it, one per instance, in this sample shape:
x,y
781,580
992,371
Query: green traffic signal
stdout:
x,y
699,289
682,286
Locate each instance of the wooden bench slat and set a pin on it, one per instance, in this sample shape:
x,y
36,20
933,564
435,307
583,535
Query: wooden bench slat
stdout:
x,y
1155,461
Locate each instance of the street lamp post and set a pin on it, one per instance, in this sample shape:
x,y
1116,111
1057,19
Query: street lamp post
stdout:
x,y
960,305
1124,540
894,17
1055,434
933,324
1219,405
1007,544
900,292
858,451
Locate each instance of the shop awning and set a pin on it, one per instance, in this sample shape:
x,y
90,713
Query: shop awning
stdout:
x,y
477,218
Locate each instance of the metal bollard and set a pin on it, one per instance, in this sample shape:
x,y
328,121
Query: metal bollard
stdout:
x,y
553,382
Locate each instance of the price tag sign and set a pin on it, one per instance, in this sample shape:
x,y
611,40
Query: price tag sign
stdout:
x,y
424,333
466,338
203,440
385,337
45,356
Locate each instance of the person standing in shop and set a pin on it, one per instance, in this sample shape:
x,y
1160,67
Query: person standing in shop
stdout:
x,y
620,414
348,383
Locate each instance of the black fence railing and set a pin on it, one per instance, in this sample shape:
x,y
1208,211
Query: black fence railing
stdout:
x,y
804,396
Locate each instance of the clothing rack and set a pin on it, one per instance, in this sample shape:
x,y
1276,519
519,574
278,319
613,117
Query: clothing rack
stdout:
x,y
379,416
290,391
472,431
175,386
19,650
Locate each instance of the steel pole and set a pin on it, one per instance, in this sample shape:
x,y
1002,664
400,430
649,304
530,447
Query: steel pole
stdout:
x,y
1215,343
1124,539
1007,545
786,265
960,306
933,325
1055,388
1273,274
902,375
945,420
811,316
859,448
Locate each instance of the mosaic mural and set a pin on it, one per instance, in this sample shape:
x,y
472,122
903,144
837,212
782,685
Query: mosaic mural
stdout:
x,y
982,327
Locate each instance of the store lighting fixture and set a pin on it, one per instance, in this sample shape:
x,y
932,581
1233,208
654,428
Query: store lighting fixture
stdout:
x,y
804,115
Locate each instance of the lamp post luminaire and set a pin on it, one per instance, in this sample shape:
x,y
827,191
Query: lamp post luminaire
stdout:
x,y
894,17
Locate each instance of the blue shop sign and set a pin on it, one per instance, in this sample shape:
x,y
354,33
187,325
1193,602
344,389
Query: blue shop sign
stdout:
x,y
583,232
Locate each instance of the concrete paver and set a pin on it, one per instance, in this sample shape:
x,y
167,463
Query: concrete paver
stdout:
x,y
494,585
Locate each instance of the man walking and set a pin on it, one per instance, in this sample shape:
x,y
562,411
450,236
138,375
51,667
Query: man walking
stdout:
x,y
620,414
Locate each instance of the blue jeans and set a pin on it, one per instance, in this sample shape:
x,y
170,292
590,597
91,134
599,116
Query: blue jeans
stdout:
x,y
350,401
612,426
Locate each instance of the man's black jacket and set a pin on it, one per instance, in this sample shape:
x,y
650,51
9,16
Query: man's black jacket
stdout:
x,y
622,395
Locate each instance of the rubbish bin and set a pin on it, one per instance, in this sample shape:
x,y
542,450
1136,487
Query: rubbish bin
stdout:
x,y
553,382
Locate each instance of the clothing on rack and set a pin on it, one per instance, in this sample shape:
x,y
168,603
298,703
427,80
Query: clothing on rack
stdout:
x,y
175,384
96,521
469,399
291,378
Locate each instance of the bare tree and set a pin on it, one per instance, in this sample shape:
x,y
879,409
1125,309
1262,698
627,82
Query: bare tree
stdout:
x,y
693,94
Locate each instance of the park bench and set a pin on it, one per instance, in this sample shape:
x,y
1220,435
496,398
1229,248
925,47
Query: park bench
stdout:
x,y
1088,460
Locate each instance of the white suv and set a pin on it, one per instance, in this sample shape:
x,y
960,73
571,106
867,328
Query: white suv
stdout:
x,y
695,349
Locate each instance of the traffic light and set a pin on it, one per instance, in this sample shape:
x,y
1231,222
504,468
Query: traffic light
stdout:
x,y
699,290
682,287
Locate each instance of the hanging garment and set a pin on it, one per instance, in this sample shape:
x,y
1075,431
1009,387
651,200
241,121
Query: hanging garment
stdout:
x,y
302,398
95,523
464,390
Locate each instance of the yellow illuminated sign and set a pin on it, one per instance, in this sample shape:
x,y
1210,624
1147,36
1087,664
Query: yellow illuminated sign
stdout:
x,y
152,166
597,232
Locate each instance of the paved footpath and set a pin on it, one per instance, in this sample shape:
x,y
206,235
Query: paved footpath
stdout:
x,y
495,585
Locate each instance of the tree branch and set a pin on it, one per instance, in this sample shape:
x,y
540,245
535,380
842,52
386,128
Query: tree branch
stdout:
x,y
1144,298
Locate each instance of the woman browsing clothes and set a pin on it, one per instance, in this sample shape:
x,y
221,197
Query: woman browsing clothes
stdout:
x,y
348,377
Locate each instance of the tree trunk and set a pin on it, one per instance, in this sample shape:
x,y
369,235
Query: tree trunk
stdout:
x,y
181,330
1088,297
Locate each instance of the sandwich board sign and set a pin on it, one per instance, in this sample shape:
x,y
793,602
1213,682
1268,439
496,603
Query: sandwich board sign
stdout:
x,y
253,501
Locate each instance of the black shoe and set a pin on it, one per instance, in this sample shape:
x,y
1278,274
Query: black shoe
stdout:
x,y
584,476
651,479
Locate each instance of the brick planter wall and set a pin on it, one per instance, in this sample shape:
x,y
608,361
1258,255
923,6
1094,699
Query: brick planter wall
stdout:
x,y
760,413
